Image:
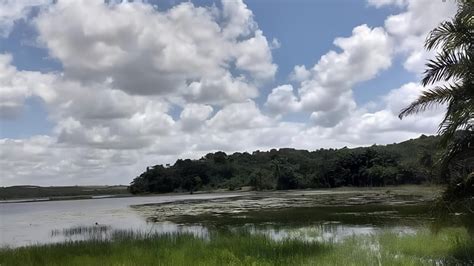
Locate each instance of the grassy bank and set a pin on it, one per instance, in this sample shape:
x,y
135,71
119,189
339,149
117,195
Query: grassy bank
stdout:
x,y
128,248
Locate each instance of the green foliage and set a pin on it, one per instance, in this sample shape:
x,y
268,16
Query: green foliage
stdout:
x,y
454,63
261,179
191,183
285,174
451,246
410,162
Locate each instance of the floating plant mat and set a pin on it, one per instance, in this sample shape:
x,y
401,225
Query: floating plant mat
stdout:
x,y
354,205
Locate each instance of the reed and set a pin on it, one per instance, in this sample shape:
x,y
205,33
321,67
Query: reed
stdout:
x,y
447,247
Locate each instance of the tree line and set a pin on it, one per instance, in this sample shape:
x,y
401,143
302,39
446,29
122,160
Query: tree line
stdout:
x,y
449,82
410,162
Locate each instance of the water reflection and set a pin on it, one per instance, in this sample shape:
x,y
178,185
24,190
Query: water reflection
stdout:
x,y
29,223
55,221
331,232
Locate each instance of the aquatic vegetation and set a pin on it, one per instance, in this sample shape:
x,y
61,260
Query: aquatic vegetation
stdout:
x,y
450,245
82,230
318,204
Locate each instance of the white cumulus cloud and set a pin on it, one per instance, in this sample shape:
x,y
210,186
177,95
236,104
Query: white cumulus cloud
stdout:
x,y
186,50
326,89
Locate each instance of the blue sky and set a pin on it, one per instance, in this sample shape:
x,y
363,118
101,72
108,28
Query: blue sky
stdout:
x,y
146,83
300,26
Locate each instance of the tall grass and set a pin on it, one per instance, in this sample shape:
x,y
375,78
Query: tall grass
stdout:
x,y
83,230
447,247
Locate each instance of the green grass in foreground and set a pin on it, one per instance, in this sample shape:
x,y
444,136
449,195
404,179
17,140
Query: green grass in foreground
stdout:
x,y
424,248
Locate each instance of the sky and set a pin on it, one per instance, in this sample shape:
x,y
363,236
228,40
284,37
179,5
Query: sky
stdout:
x,y
93,91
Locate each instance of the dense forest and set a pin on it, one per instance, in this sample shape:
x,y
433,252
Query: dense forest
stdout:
x,y
409,162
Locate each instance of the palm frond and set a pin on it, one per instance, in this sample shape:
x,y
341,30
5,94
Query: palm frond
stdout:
x,y
459,116
447,65
465,9
436,96
452,35
462,145
454,63
449,36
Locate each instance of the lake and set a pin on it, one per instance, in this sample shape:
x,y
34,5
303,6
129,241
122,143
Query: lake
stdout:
x,y
314,215
26,223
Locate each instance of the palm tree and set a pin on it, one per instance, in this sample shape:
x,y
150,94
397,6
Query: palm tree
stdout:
x,y
454,65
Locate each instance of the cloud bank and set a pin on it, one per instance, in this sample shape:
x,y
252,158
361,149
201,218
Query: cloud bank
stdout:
x,y
141,86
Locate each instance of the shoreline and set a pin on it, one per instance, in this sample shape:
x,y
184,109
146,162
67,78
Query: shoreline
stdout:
x,y
220,191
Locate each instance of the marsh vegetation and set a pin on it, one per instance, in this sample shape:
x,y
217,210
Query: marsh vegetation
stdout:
x,y
447,247
346,226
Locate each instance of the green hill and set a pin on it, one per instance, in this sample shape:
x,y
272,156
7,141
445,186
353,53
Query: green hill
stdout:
x,y
408,162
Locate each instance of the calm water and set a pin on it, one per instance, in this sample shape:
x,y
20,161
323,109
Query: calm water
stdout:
x,y
28,223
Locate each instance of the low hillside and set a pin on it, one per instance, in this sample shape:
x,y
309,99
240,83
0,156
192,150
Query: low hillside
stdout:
x,y
409,162
22,192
